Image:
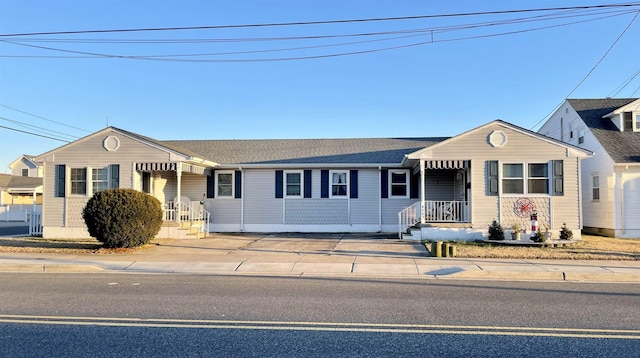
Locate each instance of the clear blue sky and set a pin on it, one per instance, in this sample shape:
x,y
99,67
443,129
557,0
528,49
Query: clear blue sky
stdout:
x,y
461,80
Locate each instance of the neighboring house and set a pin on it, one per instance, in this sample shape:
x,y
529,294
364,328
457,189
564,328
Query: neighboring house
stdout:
x,y
26,167
19,196
611,179
451,187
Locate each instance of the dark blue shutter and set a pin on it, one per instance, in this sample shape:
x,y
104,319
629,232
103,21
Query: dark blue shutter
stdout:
x,y
307,183
238,178
60,180
558,177
353,184
324,184
492,177
279,184
384,183
211,184
415,186
115,176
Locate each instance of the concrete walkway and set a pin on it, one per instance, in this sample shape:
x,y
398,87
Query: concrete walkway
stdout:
x,y
346,255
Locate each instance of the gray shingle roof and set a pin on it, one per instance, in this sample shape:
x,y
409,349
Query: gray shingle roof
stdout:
x,y
623,147
8,181
305,151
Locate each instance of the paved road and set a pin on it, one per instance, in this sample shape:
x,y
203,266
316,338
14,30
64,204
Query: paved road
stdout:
x,y
10,228
185,315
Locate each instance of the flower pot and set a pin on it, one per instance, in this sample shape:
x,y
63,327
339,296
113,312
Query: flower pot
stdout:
x,y
515,236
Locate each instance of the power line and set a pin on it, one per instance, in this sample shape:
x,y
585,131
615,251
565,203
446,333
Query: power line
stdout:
x,y
35,134
171,58
594,67
26,125
304,23
43,118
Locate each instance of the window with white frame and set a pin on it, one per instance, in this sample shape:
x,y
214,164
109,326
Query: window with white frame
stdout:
x,y
595,187
25,172
293,184
513,178
637,129
99,179
339,183
534,175
538,178
581,136
224,187
78,181
398,183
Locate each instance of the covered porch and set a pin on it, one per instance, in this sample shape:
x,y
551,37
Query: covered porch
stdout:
x,y
445,195
179,187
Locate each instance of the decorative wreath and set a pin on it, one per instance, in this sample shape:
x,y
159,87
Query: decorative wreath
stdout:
x,y
523,207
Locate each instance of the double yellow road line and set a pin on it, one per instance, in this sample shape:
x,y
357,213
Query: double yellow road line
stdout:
x,y
326,326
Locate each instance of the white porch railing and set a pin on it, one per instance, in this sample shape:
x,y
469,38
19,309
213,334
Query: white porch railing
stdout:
x,y
435,211
446,211
408,217
192,213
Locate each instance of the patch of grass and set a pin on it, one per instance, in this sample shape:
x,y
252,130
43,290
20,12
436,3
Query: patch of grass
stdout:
x,y
62,246
589,248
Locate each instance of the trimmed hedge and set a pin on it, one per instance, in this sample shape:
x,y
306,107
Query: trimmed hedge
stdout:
x,y
123,217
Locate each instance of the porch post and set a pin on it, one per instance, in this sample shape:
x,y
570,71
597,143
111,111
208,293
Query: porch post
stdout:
x,y
178,191
423,218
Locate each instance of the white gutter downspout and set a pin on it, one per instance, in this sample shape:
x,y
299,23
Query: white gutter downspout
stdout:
x,y
423,217
241,200
379,199
580,218
179,189
622,200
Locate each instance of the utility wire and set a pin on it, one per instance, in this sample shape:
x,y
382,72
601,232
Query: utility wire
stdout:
x,y
304,23
35,134
593,68
46,119
171,58
40,129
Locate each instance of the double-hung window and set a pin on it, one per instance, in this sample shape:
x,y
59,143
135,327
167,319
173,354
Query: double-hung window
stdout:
x,y
339,183
224,188
293,184
538,178
99,179
398,182
534,175
79,181
513,178
595,188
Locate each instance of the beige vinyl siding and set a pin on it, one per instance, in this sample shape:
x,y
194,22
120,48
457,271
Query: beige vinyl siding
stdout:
x,y
260,204
520,148
194,186
440,185
365,209
90,153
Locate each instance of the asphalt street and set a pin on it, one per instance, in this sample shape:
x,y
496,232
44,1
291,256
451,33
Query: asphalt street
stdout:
x,y
130,315
14,228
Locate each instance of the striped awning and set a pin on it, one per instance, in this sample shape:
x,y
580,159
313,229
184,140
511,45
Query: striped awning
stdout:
x,y
157,167
447,164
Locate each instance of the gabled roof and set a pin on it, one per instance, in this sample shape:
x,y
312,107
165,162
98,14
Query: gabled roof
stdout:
x,y
24,156
623,147
306,151
8,181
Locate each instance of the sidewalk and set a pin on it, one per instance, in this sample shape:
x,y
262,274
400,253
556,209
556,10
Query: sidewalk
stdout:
x,y
344,255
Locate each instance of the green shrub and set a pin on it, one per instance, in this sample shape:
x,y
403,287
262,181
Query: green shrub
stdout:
x,y
495,231
565,232
123,217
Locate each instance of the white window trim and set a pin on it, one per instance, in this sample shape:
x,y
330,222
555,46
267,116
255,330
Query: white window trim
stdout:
x,y
87,182
301,195
407,183
596,175
525,179
635,117
346,196
90,176
233,184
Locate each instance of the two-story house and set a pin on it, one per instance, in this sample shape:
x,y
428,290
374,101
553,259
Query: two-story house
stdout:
x,y
610,127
